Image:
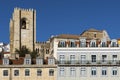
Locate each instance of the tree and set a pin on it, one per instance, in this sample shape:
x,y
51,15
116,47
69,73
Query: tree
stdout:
x,y
23,51
34,54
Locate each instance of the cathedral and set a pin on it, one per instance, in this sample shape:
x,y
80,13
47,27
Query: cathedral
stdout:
x,y
23,32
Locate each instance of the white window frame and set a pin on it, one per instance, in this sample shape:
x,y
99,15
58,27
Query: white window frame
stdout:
x,y
114,71
62,59
27,72
104,72
114,59
72,71
51,72
5,72
104,59
62,71
39,72
93,71
93,59
83,59
83,71
16,73
27,61
72,59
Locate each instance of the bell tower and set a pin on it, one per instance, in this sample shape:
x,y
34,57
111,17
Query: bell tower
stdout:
x,y
22,29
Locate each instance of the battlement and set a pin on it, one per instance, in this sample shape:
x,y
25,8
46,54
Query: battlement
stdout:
x,y
40,42
29,10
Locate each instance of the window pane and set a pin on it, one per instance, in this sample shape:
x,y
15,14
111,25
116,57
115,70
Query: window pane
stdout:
x,y
27,72
5,72
62,72
51,72
39,72
83,71
93,57
72,71
104,72
93,71
16,72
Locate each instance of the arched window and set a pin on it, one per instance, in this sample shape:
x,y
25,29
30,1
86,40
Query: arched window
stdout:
x,y
23,23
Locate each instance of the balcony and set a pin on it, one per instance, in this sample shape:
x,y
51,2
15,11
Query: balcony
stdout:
x,y
88,63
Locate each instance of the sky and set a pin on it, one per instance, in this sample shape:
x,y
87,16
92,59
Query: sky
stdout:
x,y
56,17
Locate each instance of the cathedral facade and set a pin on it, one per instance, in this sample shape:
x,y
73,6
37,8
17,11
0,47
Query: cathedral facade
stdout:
x,y
23,29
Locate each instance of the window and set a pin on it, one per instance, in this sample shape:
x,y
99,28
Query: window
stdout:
x,y
62,71
104,58
51,61
23,23
27,61
83,59
114,71
114,57
104,72
5,61
62,59
93,71
72,44
51,72
93,58
39,61
47,51
93,44
103,44
5,72
82,44
39,72
114,44
83,71
62,44
72,71
27,72
16,72
72,59
95,35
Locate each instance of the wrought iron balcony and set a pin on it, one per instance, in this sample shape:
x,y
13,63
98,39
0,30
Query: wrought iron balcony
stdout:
x,y
89,62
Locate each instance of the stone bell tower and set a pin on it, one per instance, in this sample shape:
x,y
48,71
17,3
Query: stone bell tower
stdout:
x,y
22,29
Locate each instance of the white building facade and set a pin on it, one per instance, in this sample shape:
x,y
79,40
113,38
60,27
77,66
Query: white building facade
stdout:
x,y
81,58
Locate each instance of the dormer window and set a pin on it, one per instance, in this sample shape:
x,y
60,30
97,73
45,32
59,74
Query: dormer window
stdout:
x,y
93,43
61,44
114,43
51,60
39,60
103,44
82,42
27,59
5,61
72,44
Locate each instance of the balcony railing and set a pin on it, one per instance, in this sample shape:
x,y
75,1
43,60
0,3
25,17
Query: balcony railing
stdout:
x,y
88,62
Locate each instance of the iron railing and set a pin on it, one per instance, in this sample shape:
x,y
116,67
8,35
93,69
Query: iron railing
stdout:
x,y
88,62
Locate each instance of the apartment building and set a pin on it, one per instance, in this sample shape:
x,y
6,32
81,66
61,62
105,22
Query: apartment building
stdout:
x,y
28,69
90,56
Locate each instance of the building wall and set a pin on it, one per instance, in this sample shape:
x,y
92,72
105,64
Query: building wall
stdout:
x,y
88,75
33,73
